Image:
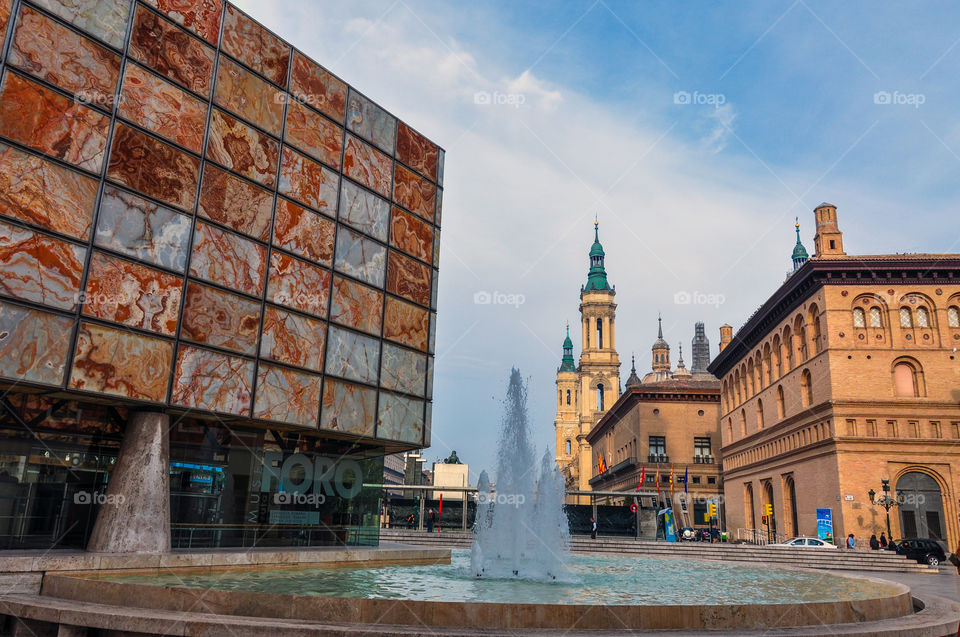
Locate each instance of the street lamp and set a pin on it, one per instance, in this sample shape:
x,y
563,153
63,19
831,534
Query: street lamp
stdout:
x,y
885,501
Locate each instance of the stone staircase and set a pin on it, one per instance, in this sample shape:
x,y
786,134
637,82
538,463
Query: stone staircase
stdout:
x,y
826,559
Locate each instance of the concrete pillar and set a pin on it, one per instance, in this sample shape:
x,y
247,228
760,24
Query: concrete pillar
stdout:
x,y
134,516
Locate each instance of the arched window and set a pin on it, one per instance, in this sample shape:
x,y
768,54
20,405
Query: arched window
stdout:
x,y
759,414
780,410
876,317
906,320
777,356
751,379
859,317
730,428
953,316
743,422
569,447
923,317
568,396
806,388
905,379
788,349
600,397
600,333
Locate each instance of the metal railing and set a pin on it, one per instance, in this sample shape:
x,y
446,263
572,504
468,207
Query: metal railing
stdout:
x,y
658,457
703,460
760,536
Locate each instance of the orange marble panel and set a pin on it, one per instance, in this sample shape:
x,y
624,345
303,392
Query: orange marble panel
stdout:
x,y
308,182
6,6
367,165
41,192
298,285
171,51
243,93
36,267
292,339
51,123
406,323
408,278
303,232
243,149
221,319
314,134
411,235
228,259
104,19
255,46
121,363
356,305
200,16
318,87
287,396
209,380
64,58
417,151
162,108
153,167
233,202
414,192
132,294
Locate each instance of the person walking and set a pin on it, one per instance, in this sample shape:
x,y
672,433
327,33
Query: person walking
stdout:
x,y
874,543
593,529
883,540
851,542
430,520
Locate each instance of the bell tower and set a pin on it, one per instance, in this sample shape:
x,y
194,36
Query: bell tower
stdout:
x,y
828,242
567,423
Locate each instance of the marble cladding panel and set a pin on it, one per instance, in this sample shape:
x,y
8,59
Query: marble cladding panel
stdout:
x,y
313,134
217,318
357,306
227,259
255,46
403,370
363,210
367,165
416,151
235,203
200,16
348,408
288,396
121,363
171,51
360,257
298,284
162,108
441,158
46,194
410,234
428,425
414,192
51,123
317,87
142,229
435,290
292,339
436,249
39,268
408,278
6,6
430,377
432,341
64,58
243,149
352,356
33,345
439,206
153,167
250,97
400,418
406,323
308,182
303,232
104,19
209,380
132,294
371,122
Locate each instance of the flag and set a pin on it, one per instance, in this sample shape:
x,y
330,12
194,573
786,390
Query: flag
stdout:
x,y
686,471
601,463
658,479
643,476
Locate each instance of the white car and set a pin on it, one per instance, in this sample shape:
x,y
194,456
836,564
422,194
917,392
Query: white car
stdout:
x,y
807,542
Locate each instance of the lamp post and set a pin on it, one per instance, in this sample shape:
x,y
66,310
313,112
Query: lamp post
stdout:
x,y
885,501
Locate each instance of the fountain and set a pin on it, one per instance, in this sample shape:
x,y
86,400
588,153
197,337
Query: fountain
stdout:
x,y
521,527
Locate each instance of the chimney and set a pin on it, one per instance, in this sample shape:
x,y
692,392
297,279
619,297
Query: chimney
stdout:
x,y
726,335
828,242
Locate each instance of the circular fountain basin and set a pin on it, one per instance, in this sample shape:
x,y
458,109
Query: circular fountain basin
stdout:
x,y
604,592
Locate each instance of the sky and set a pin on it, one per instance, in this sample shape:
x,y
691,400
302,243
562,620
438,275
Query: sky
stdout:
x,y
695,133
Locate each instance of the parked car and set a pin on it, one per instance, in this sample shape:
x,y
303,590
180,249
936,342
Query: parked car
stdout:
x,y
923,550
687,534
806,542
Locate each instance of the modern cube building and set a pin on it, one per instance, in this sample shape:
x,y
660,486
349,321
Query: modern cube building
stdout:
x,y
218,282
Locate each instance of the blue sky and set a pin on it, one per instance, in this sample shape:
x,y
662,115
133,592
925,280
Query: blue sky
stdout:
x,y
790,104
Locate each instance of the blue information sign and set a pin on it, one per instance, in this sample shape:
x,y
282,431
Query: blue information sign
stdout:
x,y
825,524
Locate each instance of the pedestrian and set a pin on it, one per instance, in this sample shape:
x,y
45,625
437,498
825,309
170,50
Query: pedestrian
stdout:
x,y
593,529
874,543
633,529
883,540
430,520
851,542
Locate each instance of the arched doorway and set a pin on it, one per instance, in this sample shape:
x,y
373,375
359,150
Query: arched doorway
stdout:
x,y
750,517
771,527
921,508
790,526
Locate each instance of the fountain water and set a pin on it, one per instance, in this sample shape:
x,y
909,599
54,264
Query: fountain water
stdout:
x,y
521,526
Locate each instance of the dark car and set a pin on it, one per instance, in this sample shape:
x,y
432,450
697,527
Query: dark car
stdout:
x,y
922,550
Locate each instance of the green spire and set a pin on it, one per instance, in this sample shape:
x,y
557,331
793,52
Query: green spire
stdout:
x,y
800,255
566,363
597,276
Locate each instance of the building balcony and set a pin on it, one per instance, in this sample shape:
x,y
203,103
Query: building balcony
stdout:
x,y
703,460
658,457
